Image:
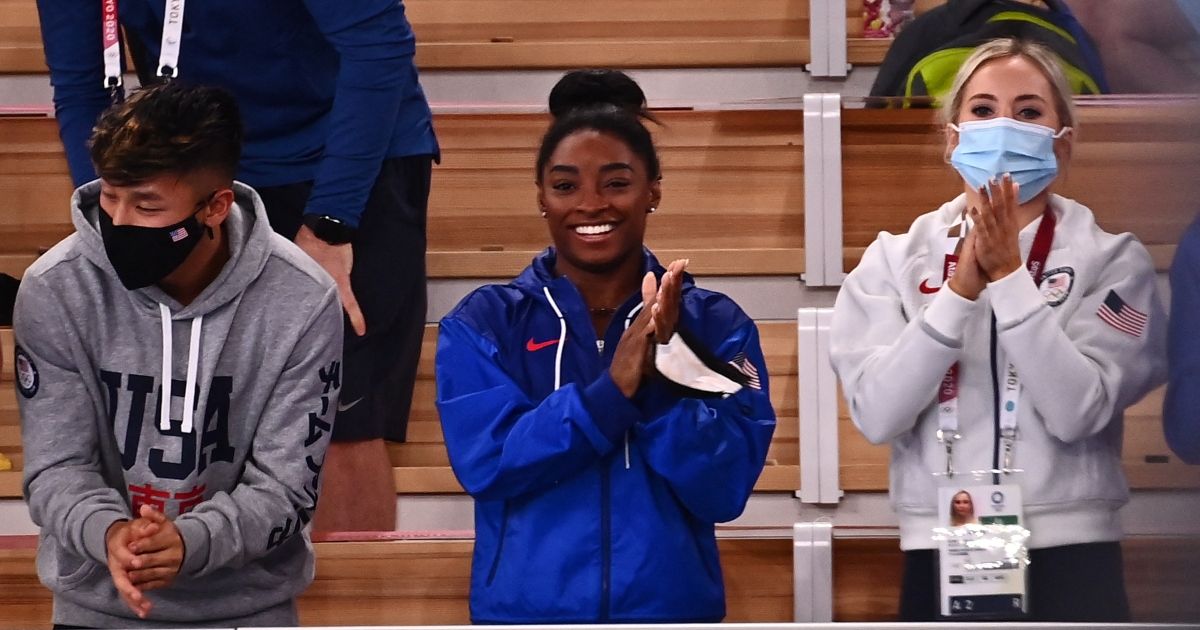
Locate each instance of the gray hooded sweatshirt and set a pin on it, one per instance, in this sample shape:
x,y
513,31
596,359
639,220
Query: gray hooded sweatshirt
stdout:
x,y
258,352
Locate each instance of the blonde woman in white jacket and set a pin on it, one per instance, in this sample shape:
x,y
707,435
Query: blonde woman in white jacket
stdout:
x,y
1075,315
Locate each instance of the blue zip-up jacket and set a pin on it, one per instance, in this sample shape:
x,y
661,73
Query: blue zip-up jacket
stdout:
x,y
591,507
1181,410
327,90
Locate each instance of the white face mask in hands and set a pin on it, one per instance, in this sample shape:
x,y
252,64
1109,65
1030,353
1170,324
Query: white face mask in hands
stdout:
x,y
693,369
987,149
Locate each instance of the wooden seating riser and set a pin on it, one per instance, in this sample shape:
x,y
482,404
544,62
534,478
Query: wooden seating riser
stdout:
x,y
426,582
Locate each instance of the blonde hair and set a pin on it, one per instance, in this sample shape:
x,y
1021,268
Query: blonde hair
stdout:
x,y
955,519
1041,56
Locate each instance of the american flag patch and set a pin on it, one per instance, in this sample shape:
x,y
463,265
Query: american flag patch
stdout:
x,y
742,364
1116,313
178,234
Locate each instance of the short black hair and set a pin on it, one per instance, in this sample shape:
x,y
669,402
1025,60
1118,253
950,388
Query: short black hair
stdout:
x,y
168,128
608,101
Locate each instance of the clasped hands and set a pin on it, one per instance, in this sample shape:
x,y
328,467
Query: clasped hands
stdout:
x,y
990,251
143,554
633,359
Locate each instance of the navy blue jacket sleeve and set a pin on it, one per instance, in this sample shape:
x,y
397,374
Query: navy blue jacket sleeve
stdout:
x,y
376,46
711,451
1181,413
501,443
71,39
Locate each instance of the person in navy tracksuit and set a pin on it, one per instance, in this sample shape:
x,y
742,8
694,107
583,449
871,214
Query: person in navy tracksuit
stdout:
x,y
597,482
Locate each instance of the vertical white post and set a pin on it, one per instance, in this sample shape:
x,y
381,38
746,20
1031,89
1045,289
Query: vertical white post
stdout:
x,y
822,190
818,37
809,392
827,37
827,402
814,190
831,174
812,570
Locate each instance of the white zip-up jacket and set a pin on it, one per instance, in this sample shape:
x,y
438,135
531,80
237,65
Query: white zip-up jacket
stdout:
x,y
894,335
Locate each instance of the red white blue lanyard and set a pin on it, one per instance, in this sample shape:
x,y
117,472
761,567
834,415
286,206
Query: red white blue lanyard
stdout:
x,y
110,36
168,57
1010,395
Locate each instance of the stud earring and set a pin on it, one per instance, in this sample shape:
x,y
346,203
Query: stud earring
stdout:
x,y
651,210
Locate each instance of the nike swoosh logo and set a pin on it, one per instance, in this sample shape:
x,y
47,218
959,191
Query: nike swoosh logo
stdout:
x,y
925,288
535,346
348,407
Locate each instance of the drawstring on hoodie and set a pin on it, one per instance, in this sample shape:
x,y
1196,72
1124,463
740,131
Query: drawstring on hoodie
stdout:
x,y
629,320
562,340
189,396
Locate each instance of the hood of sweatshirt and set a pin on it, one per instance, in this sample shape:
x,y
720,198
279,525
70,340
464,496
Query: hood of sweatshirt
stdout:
x,y
246,230
248,253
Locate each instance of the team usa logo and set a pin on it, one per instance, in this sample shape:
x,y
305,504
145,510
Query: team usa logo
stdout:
x,y
1056,285
28,379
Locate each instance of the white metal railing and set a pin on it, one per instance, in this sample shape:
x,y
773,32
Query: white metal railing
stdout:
x,y
812,572
827,37
823,190
818,405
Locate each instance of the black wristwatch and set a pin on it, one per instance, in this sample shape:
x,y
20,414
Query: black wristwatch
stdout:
x,y
332,230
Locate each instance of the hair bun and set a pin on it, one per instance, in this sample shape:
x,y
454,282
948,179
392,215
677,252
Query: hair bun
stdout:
x,y
582,89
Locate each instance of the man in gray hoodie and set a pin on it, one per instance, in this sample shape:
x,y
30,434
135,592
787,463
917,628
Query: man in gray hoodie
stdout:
x,y
178,369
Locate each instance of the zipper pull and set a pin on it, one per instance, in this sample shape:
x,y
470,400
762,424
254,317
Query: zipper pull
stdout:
x,y
600,346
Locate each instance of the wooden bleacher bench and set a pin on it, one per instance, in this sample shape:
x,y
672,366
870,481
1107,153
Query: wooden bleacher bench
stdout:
x,y
733,186
732,201
426,582
566,34
20,38
739,195
10,421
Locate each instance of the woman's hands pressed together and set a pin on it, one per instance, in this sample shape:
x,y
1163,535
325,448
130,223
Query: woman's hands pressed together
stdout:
x,y
990,251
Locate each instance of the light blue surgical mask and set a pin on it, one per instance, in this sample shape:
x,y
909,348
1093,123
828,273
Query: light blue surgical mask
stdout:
x,y
988,149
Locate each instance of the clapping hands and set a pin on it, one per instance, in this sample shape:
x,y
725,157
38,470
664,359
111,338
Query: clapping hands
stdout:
x,y
633,359
990,251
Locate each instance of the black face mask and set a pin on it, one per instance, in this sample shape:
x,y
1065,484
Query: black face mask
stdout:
x,y
142,256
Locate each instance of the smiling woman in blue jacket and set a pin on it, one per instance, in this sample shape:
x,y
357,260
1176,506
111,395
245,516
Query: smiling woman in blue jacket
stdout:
x,y
597,482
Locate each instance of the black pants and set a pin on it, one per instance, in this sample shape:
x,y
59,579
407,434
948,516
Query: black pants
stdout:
x,y
8,298
388,279
1077,583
